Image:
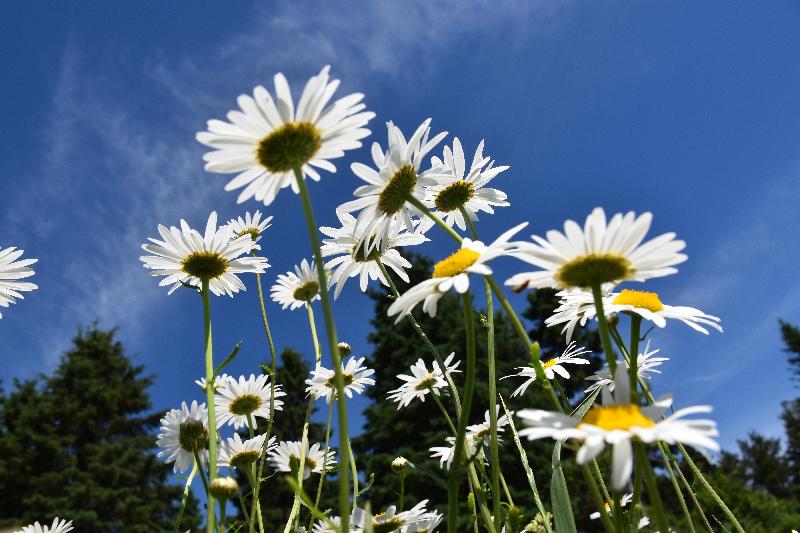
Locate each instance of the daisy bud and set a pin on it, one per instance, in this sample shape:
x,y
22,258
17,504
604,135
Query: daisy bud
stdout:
x,y
344,349
223,488
193,435
400,465
612,320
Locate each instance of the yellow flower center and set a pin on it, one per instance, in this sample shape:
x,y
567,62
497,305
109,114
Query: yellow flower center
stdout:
x,y
550,363
294,143
594,269
204,265
640,299
612,417
456,263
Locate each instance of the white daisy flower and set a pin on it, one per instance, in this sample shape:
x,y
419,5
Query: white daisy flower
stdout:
x,y
335,526
58,526
421,381
349,244
473,450
623,502
390,520
599,253
577,307
552,367
286,457
322,383
13,269
237,453
481,433
236,399
219,381
617,422
395,177
186,256
180,429
646,364
295,289
453,272
427,523
262,142
457,189
251,225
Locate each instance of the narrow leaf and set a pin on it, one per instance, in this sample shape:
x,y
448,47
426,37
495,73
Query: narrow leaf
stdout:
x,y
228,359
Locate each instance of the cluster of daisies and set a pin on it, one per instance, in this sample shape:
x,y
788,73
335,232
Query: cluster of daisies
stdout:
x,y
415,520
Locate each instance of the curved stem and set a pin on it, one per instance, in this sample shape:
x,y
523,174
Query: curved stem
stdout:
x,y
652,487
333,343
602,326
200,469
439,222
324,464
212,422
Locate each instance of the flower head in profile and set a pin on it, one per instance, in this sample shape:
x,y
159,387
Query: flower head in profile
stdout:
x,y
646,364
322,383
480,433
266,138
473,450
238,454
219,381
184,256
608,506
252,225
390,520
576,307
618,422
184,431
13,269
236,400
453,273
296,289
286,458
423,381
600,252
395,177
59,525
571,356
350,244
463,188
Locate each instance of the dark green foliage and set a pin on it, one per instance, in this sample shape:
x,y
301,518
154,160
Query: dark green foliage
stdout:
x,y
80,445
791,337
411,431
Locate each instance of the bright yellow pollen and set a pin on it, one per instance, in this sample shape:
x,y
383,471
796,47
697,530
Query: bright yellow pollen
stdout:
x,y
456,263
641,299
612,417
550,363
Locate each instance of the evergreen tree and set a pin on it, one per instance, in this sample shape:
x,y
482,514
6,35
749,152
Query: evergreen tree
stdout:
x,y
80,445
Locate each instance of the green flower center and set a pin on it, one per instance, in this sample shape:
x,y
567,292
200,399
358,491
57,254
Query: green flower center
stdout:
x,y
244,404
391,524
348,380
204,265
358,255
594,269
294,143
192,435
306,291
455,195
400,186
294,463
244,458
253,232
426,383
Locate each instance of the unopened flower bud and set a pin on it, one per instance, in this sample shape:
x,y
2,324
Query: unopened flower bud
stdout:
x,y
400,465
344,349
612,319
223,488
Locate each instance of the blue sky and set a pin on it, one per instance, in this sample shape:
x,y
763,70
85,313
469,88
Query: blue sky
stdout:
x,y
691,111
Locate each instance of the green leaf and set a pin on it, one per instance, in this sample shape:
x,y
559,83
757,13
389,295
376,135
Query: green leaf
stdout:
x,y
580,411
228,359
559,496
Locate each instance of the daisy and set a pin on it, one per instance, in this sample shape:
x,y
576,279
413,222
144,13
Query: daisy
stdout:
x,y
322,382
426,523
473,450
237,453
262,142
552,367
599,253
577,307
481,432
286,457
421,381
252,225
219,381
12,270
58,526
460,190
236,400
390,519
295,289
453,272
646,364
349,244
334,525
395,178
618,422
182,431
185,256
623,502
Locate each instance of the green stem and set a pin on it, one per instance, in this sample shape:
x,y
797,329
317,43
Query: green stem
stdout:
x,y
200,469
324,464
254,480
706,485
333,343
354,471
469,388
402,491
505,490
677,488
652,487
603,329
598,500
212,422
427,212
222,505
636,324
444,412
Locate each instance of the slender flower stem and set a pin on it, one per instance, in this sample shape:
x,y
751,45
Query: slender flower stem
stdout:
x,y
427,212
254,479
636,324
333,343
444,412
222,505
273,381
652,487
602,323
324,464
200,469
402,491
212,421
